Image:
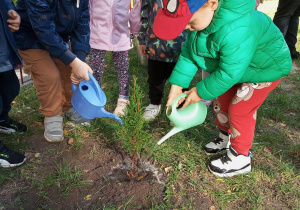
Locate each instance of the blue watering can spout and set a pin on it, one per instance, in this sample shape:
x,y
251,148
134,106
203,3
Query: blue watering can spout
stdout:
x,y
110,115
89,99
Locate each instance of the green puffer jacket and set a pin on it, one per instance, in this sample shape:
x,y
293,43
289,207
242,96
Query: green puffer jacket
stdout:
x,y
240,45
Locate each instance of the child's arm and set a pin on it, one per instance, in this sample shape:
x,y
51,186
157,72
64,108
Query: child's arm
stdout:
x,y
41,15
135,20
144,16
80,36
235,58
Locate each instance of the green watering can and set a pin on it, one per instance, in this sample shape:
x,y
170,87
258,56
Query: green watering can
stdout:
x,y
192,115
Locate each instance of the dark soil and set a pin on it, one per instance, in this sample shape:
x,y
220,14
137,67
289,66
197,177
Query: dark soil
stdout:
x,y
108,186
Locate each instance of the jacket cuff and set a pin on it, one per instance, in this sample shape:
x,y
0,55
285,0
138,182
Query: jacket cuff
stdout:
x,y
81,55
67,57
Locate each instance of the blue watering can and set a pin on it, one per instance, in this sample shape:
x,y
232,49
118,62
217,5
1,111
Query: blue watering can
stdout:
x,y
89,99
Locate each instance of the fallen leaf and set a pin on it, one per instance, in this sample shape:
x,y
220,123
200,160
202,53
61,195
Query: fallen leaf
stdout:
x,y
66,132
86,134
229,192
38,123
189,146
168,169
37,155
221,180
212,208
71,141
88,197
283,125
141,177
180,166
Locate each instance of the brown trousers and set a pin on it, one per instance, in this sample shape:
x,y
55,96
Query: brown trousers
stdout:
x,y
51,79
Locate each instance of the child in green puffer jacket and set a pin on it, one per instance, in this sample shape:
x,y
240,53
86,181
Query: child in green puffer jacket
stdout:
x,y
246,57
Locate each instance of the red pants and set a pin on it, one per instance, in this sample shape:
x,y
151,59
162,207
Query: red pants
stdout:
x,y
236,110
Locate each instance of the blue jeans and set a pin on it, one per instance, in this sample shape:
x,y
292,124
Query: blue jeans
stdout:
x,y
287,20
9,89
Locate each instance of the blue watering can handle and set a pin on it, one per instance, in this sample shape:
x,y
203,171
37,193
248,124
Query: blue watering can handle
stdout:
x,y
98,91
175,102
74,87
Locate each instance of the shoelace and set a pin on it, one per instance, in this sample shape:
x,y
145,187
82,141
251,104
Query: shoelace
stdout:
x,y
225,159
218,140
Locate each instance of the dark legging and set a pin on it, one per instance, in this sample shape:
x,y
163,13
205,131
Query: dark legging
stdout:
x,y
9,89
287,20
121,64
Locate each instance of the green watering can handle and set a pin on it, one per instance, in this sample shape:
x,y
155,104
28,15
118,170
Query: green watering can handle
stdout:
x,y
175,102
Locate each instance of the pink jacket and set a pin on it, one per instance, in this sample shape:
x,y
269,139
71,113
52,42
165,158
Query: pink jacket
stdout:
x,y
109,24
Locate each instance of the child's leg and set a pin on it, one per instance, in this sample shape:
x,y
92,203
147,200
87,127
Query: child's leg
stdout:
x,y
97,63
121,64
221,105
158,73
242,113
67,93
9,89
46,79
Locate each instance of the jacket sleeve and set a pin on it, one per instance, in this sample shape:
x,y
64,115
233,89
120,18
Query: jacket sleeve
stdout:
x,y
144,16
135,20
41,15
235,57
185,68
80,36
9,4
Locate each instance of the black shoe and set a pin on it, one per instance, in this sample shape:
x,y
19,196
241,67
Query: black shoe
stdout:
x,y
295,55
11,126
9,158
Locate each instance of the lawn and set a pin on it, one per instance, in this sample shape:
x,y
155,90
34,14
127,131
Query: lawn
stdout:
x,y
88,169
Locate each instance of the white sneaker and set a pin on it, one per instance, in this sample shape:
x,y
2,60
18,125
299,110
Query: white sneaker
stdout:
x,y
152,111
54,129
231,164
74,118
219,144
121,107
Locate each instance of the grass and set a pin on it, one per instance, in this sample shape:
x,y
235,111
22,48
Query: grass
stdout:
x,y
274,182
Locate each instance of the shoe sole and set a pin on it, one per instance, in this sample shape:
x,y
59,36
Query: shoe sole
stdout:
x,y
243,171
214,153
5,164
53,141
9,131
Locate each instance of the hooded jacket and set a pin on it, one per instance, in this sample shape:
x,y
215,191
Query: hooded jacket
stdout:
x,y
9,56
50,24
109,24
157,49
240,45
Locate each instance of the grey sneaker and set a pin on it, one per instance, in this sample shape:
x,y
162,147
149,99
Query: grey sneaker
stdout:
x,y
54,129
152,111
76,119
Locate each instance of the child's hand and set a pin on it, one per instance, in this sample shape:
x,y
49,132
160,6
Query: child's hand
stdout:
x,y
192,98
14,20
143,50
174,92
79,71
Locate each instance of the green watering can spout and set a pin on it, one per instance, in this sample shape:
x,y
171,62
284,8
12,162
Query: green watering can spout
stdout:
x,y
192,115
